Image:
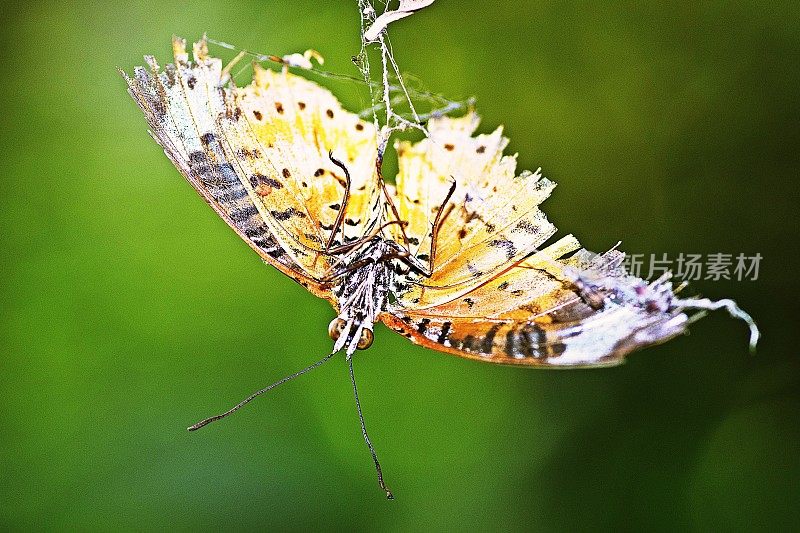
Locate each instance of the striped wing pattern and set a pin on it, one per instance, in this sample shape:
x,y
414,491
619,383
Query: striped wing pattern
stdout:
x,y
260,155
525,317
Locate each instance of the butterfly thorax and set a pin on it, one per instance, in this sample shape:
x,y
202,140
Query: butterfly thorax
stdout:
x,y
362,281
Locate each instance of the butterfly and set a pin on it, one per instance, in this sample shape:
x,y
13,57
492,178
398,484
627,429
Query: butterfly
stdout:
x,y
456,255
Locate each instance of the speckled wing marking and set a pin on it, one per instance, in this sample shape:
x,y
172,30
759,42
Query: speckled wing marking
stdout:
x,y
492,220
181,104
528,316
259,154
284,128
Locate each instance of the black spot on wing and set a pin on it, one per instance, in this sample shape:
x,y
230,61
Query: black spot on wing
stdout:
x,y
510,349
556,349
467,343
260,179
488,341
524,341
287,214
198,157
444,333
536,339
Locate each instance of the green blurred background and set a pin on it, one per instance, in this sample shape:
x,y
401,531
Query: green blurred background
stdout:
x,y
129,310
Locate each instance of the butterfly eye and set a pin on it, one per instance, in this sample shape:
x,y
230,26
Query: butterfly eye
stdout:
x,y
336,327
365,341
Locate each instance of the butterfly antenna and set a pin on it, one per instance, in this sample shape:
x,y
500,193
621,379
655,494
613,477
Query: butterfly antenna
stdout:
x,y
258,393
389,494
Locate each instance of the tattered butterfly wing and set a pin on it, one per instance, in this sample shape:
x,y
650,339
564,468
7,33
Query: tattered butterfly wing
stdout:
x,y
291,127
495,293
527,316
259,155
491,221
181,104
600,340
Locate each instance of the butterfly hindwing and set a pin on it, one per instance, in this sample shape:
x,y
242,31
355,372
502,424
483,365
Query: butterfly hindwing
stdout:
x,y
534,315
600,340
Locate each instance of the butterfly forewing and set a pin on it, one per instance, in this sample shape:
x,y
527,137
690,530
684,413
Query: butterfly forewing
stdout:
x,y
181,104
289,129
260,155
491,221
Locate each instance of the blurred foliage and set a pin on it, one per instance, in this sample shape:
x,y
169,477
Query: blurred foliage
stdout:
x,y
129,310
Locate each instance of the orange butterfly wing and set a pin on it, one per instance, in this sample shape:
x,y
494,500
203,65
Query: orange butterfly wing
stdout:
x,y
496,293
259,155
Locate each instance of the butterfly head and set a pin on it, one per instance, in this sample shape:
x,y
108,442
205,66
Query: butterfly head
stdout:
x,y
339,327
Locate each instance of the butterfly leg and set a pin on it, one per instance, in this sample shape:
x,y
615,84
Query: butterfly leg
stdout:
x,y
349,268
350,245
441,214
378,167
437,224
343,208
